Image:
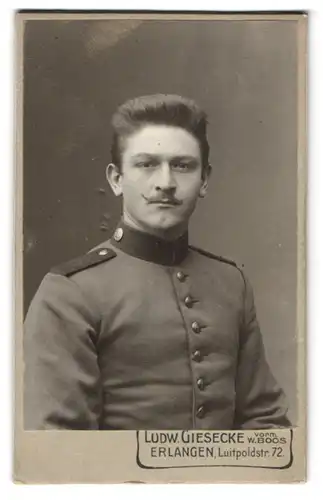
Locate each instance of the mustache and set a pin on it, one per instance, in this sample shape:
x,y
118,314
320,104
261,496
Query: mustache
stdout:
x,y
163,199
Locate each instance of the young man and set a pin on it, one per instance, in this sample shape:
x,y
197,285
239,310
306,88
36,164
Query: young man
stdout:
x,y
146,332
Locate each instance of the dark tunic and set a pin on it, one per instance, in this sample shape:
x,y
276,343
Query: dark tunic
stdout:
x,y
145,334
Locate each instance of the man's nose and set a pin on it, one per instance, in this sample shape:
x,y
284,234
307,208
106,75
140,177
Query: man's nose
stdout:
x,y
165,180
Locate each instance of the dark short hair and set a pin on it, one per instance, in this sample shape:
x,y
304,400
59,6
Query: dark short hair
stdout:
x,y
161,109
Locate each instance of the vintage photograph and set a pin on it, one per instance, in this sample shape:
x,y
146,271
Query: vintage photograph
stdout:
x,y
161,186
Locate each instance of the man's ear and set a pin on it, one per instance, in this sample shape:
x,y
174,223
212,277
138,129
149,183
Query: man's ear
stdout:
x,y
114,178
205,180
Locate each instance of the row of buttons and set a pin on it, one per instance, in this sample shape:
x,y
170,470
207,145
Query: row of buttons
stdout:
x,y
189,301
197,355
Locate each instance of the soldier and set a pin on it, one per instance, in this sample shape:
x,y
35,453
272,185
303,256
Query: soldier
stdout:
x,y
145,331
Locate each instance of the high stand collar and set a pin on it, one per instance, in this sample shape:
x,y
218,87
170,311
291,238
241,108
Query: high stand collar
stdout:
x,y
147,247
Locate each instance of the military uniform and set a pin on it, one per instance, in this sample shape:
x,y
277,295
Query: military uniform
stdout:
x,y
147,334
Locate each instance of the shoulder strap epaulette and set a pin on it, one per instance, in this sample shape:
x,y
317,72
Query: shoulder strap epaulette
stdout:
x,y
213,256
85,261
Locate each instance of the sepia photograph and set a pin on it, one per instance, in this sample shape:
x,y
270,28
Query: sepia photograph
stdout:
x,y
160,245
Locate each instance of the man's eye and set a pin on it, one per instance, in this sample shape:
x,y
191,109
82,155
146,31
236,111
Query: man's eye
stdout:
x,y
181,166
145,164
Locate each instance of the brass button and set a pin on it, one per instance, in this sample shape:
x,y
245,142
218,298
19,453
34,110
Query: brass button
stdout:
x,y
188,301
200,384
104,251
197,356
180,276
200,411
118,234
196,327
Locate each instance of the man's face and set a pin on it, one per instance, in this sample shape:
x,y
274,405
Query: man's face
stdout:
x,y
161,178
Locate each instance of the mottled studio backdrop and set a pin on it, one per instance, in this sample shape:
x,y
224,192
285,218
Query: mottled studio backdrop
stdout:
x,y
242,73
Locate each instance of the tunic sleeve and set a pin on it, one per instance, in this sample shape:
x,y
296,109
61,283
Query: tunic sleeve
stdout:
x,y
260,402
61,372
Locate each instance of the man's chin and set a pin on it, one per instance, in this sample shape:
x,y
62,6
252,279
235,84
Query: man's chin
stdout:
x,y
164,224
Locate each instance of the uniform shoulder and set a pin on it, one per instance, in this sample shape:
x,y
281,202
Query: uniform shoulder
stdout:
x,y
90,259
213,256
